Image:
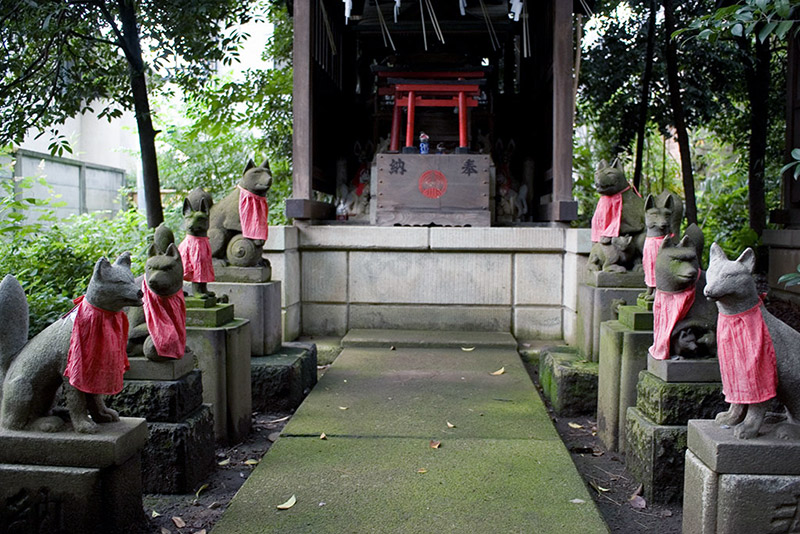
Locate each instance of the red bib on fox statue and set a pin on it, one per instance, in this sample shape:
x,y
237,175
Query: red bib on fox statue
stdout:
x,y
198,265
651,246
166,322
97,356
746,357
607,215
253,212
668,309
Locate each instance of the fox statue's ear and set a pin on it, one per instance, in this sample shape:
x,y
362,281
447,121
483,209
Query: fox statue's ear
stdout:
x,y
602,164
250,165
152,251
204,206
748,259
124,260
649,202
100,268
172,251
669,203
187,207
716,253
265,165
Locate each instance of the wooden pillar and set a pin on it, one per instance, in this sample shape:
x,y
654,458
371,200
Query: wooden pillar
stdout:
x,y
789,213
412,104
562,101
303,101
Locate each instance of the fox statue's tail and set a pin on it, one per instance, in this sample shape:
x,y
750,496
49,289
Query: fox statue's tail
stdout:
x,y
13,323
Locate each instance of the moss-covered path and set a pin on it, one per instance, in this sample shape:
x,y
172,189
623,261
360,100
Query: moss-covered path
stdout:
x,y
500,466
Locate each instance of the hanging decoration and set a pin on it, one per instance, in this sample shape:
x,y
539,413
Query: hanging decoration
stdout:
x,y
327,22
396,9
384,28
435,21
490,27
516,9
526,31
462,5
348,7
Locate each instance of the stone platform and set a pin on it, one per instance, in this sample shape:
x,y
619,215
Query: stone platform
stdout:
x,y
259,303
282,380
568,381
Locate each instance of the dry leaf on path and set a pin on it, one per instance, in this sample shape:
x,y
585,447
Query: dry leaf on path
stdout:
x,y
202,531
598,488
274,436
450,425
224,462
154,514
200,490
422,470
281,420
435,444
251,461
165,531
577,501
343,407
499,372
467,349
638,502
180,523
575,425
288,504
323,436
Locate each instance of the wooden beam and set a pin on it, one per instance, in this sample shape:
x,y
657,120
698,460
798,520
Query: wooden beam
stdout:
x,y
301,208
562,101
303,110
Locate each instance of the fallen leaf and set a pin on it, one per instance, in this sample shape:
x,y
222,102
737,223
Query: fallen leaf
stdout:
x,y
597,453
666,513
598,488
154,514
200,490
575,425
577,501
422,470
213,506
499,372
203,531
450,425
288,504
638,502
180,523
467,349
342,407
274,436
323,436
435,444
251,461
282,419
392,348
224,462
165,531
639,490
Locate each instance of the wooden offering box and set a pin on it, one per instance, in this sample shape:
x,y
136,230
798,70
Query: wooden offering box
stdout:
x,y
441,189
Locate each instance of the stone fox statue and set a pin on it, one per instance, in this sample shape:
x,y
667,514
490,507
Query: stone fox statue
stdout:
x,y
31,372
752,340
195,249
238,223
662,217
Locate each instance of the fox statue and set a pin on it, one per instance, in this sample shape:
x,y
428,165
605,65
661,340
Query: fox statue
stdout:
x,y
195,248
31,372
238,223
662,217
750,338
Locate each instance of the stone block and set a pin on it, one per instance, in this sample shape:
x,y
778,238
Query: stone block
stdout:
x,y
718,449
179,456
538,279
324,276
631,279
512,239
569,319
328,347
537,322
623,354
685,370
144,369
596,306
281,238
578,240
210,317
654,454
286,270
167,401
261,305
363,237
568,381
758,503
241,275
281,381
644,303
782,261
324,319
574,264
700,488
197,302
636,318
447,278
490,318
223,355
290,318
674,403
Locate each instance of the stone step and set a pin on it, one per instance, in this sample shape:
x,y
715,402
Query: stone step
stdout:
x,y
427,338
636,317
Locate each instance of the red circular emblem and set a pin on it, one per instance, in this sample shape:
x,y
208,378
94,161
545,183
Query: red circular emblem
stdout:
x,y
432,184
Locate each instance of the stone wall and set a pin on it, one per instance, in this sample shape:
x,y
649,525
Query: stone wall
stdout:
x,y
784,257
521,280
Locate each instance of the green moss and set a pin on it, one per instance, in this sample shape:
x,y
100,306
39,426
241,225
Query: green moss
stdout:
x,y
674,403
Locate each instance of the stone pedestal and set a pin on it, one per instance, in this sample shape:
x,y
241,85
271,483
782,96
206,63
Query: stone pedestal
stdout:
x,y
734,486
281,381
623,353
67,482
596,297
656,428
180,450
259,303
568,381
222,352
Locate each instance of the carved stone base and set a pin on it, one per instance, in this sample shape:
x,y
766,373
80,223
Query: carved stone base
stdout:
x,y
72,483
568,381
245,275
688,370
281,381
260,303
734,485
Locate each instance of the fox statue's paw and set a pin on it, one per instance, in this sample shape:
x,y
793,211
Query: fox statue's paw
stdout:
x,y
106,415
787,431
85,426
745,431
51,423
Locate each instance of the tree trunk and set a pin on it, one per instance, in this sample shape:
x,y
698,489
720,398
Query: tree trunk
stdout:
x,y
758,83
643,105
678,115
147,135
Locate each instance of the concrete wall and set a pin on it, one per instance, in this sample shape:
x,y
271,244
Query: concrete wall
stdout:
x,y
784,257
337,277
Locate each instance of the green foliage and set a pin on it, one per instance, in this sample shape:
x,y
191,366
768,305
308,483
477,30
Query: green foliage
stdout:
x,y
759,19
794,166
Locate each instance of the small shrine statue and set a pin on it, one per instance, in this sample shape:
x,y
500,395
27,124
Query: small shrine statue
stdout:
x,y
619,212
759,355
158,329
238,224
195,249
84,352
684,321
662,217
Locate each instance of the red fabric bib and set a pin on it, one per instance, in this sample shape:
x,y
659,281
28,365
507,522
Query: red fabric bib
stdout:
x,y
668,309
97,355
196,257
607,215
746,357
651,246
253,212
166,321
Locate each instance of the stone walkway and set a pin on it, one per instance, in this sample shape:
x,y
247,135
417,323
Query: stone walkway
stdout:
x,y
500,467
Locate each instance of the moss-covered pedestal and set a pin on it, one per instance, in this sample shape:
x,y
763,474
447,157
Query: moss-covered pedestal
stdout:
x,y
179,453
623,352
596,298
221,345
656,427
281,380
568,380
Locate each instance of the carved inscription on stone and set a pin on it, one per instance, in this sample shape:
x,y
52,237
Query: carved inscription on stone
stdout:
x,y
32,512
786,518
